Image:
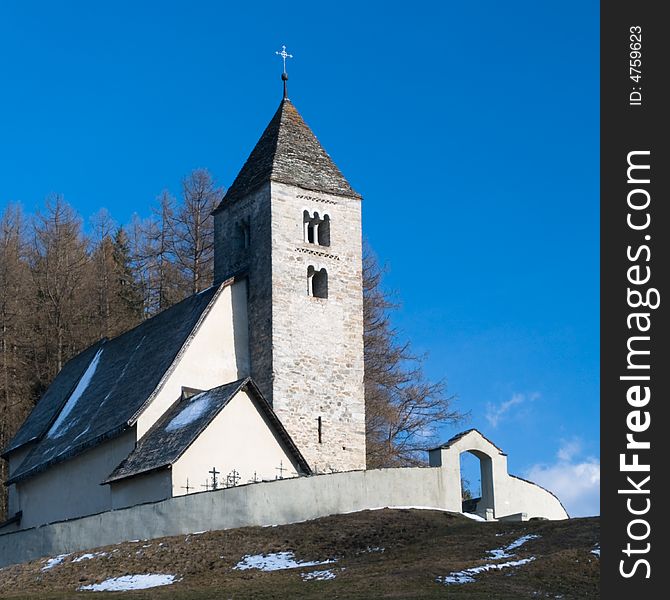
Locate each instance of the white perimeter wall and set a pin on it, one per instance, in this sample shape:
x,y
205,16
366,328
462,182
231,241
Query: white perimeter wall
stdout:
x,y
269,503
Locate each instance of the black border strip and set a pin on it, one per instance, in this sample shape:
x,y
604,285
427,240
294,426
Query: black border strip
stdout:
x,y
634,123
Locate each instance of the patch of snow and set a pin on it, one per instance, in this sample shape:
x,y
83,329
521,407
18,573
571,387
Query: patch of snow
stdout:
x,y
467,575
56,430
457,577
56,560
474,517
521,541
596,551
275,561
192,409
324,575
500,553
88,556
373,549
199,532
130,582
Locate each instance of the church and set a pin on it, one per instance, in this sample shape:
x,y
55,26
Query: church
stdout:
x,y
259,377
250,388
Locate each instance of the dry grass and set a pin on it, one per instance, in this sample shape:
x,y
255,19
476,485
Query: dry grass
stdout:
x,y
419,546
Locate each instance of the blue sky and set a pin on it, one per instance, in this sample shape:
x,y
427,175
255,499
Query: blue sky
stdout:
x,y
471,129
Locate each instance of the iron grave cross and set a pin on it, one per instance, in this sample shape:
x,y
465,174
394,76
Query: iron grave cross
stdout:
x,y
215,481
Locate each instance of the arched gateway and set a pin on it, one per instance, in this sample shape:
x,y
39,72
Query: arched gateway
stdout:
x,y
504,496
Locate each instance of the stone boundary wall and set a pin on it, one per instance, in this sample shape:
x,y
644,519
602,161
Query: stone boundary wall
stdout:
x,y
268,503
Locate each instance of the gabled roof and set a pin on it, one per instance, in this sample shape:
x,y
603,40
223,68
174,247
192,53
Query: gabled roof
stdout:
x,y
180,426
451,441
102,391
288,152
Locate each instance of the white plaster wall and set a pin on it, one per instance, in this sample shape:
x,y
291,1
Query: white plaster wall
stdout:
x,y
72,488
526,497
145,488
269,503
218,353
13,462
238,438
261,504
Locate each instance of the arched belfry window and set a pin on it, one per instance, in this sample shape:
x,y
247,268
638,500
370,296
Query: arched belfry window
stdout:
x,y
317,282
324,231
316,229
308,224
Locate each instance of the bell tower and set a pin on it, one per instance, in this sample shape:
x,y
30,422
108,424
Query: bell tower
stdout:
x,y
292,223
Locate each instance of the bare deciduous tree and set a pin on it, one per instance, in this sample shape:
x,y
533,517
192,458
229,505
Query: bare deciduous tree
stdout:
x,y
15,287
403,409
193,228
59,259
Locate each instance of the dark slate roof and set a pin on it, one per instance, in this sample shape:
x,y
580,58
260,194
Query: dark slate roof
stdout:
x,y
180,426
288,152
458,436
128,371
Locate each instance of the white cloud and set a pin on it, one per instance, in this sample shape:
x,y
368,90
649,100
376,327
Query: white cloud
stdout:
x,y
576,483
496,412
569,449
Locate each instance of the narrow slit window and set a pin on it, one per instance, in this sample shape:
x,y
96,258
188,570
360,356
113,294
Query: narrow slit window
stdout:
x,y
242,235
319,429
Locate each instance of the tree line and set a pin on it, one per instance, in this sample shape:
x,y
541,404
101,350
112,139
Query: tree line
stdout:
x,y
63,286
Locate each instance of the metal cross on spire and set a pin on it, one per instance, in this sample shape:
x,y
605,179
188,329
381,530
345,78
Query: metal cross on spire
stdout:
x,y
284,56
284,75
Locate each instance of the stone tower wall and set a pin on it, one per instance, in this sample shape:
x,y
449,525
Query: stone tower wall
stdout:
x,y
306,352
318,342
231,257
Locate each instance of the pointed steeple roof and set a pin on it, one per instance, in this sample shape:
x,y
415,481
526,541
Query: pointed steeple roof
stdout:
x,y
288,152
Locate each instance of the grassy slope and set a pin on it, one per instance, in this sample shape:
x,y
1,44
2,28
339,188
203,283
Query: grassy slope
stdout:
x,y
418,545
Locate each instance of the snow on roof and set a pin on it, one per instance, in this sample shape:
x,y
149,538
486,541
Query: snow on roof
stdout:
x,y
190,411
57,429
